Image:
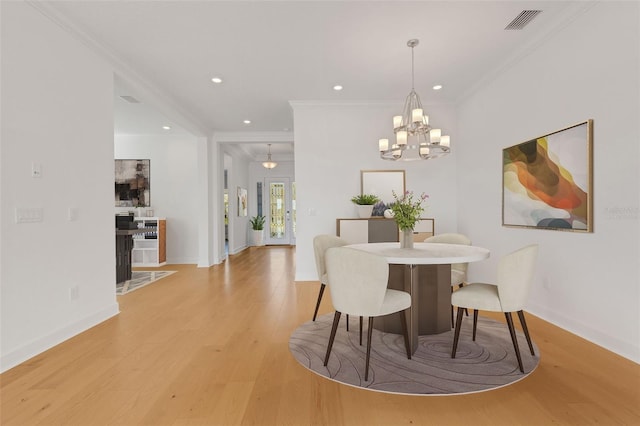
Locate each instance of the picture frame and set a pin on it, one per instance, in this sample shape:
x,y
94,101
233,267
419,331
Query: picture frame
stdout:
x,y
382,183
547,182
132,183
242,201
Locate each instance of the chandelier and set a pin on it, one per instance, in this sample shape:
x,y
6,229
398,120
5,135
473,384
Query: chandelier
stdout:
x,y
269,164
415,139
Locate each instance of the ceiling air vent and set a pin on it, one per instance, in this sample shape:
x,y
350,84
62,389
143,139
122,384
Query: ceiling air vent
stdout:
x,y
521,21
130,99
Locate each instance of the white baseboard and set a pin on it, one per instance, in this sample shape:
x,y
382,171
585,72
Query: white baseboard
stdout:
x,y
37,346
626,349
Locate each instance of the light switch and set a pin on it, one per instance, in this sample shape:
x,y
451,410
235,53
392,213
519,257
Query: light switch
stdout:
x,y
36,170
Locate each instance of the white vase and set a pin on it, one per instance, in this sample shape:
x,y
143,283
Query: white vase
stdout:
x,y
389,214
258,237
364,211
406,238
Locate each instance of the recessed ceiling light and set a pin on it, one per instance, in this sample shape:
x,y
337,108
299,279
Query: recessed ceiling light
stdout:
x,y
337,88
437,87
166,127
216,80
247,121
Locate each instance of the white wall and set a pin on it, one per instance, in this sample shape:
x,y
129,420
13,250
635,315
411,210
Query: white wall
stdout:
x,y
586,283
174,189
238,176
57,110
334,142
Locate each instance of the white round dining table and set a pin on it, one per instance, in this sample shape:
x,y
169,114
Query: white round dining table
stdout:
x,y
424,271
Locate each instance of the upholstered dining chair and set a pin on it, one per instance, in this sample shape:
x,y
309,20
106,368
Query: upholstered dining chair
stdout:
x,y
359,287
509,294
320,245
458,270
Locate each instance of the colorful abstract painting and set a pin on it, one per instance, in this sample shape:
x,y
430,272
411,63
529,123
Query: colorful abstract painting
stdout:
x,y
547,181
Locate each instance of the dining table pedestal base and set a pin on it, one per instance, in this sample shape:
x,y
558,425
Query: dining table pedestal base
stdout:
x,y
430,311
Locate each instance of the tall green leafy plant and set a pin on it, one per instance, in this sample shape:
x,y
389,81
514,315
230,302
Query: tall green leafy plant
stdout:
x,y
257,223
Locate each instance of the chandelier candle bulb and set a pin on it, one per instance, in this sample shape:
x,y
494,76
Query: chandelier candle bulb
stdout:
x,y
401,137
444,140
434,135
416,115
397,121
384,144
424,150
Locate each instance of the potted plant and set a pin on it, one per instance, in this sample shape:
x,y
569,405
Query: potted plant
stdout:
x,y
406,213
364,203
257,225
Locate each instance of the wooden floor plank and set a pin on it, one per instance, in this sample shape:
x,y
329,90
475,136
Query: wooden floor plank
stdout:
x,y
209,346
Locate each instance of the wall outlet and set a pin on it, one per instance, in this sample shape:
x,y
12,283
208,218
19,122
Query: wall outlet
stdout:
x,y
29,215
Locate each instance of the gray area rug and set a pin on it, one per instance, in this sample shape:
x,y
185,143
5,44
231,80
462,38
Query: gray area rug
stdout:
x,y
140,279
488,363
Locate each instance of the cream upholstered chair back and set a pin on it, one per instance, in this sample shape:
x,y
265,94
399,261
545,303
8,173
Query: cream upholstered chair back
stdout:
x,y
320,245
452,238
358,281
515,275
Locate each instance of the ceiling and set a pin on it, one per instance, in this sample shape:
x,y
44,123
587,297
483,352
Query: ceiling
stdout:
x,y
271,52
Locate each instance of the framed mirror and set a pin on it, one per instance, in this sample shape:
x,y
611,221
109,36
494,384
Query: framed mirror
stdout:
x,y
382,183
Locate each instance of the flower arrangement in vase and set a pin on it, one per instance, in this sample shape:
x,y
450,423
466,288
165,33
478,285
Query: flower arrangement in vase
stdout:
x,y
406,213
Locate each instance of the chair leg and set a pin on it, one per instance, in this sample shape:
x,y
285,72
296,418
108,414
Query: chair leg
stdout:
x,y
347,322
526,331
360,331
334,327
452,323
405,332
315,313
456,333
466,311
475,323
369,334
512,331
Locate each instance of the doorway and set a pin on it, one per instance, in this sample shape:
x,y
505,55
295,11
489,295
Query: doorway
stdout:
x,y
280,211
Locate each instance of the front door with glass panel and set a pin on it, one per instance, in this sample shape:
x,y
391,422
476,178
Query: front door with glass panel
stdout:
x,y
280,211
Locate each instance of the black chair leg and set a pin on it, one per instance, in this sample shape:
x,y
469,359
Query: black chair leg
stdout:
x,y
456,334
360,331
405,332
512,331
347,322
526,331
315,313
369,334
452,322
334,327
475,323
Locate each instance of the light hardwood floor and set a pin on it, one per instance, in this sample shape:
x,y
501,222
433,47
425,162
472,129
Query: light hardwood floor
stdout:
x,y
210,347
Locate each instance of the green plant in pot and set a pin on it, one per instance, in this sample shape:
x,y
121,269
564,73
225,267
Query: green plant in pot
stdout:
x,y
365,203
257,225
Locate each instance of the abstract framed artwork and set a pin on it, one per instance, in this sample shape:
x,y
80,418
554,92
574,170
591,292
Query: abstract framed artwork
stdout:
x,y
132,183
242,201
547,182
